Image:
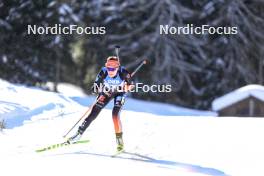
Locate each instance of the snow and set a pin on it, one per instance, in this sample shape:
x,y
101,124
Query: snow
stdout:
x,y
253,90
67,89
157,144
30,102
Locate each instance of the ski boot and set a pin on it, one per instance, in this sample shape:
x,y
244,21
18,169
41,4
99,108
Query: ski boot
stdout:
x,y
119,141
74,138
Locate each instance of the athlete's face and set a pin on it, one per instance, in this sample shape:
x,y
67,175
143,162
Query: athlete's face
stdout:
x,y
112,71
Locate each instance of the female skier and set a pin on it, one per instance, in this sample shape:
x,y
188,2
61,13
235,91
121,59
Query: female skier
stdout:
x,y
112,82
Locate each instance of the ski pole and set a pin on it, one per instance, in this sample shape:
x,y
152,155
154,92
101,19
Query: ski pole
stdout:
x,y
80,119
117,48
136,70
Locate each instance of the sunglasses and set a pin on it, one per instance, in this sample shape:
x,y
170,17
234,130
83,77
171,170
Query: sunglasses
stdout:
x,y
111,69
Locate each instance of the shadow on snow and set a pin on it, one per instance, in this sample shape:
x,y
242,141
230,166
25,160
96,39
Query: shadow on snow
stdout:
x,y
161,163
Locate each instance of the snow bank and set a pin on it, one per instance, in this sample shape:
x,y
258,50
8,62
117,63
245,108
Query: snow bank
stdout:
x,y
19,103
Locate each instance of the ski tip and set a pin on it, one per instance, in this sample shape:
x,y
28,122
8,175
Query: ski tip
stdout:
x,y
83,141
39,150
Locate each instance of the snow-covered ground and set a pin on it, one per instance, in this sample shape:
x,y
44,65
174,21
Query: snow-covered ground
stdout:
x,y
160,139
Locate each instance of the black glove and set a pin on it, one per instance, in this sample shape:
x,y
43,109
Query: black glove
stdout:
x,y
94,90
107,93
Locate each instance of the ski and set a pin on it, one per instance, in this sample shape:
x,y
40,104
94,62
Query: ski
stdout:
x,y
59,145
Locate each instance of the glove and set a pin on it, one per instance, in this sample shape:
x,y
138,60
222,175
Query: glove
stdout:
x,y
94,89
97,90
107,93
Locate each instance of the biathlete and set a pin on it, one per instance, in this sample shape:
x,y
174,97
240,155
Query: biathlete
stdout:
x,y
112,82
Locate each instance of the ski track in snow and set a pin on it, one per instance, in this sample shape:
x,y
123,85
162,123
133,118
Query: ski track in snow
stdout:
x,y
155,144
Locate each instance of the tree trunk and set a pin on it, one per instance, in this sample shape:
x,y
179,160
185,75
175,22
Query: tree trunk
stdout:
x,y
260,77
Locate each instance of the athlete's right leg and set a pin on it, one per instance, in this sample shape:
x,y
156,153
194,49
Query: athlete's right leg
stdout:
x,y
101,101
